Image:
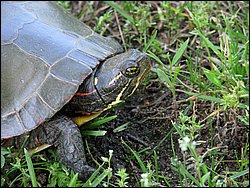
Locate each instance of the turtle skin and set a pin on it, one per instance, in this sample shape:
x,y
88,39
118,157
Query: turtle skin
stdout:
x,y
61,132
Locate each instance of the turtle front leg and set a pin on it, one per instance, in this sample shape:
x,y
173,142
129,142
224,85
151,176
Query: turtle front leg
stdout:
x,y
64,134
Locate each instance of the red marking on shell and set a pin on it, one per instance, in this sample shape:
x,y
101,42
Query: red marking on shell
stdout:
x,y
40,121
6,138
85,94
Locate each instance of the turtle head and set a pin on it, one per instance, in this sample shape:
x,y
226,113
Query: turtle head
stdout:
x,y
111,82
118,77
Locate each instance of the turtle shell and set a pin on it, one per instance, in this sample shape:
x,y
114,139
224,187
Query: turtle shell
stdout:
x,y
46,54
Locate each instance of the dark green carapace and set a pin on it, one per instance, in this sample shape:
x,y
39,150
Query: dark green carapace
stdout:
x,y
53,68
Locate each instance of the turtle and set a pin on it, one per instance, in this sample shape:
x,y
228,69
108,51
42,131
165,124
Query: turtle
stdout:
x,y
56,74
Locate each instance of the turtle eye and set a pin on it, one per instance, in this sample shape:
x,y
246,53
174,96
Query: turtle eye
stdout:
x,y
131,69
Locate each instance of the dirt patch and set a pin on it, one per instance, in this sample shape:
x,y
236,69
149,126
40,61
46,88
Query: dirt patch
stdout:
x,y
149,113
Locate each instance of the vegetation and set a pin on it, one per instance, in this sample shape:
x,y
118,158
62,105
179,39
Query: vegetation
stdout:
x,y
200,49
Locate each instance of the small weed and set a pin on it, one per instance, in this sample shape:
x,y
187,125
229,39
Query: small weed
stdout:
x,y
64,4
102,22
60,176
123,176
168,74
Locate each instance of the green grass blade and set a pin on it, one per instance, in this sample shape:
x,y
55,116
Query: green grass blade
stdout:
x,y
205,178
179,52
4,151
2,161
92,177
97,180
72,182
212,76
93,133
150,41
141,151
163,77
176,73
211,46
166,181
23,145
143,167
30,168
156,166
177,129
206,97
120,10
239,174
183,171
99,122
152,55
214,99
121,128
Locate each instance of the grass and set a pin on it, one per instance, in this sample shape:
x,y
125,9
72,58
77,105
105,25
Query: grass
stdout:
x,y
200,49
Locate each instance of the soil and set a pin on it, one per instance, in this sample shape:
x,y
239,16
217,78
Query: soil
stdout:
x,y
149,113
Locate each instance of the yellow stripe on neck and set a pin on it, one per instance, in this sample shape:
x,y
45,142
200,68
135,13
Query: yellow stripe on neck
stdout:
x,y
118,98
115,78
80,120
